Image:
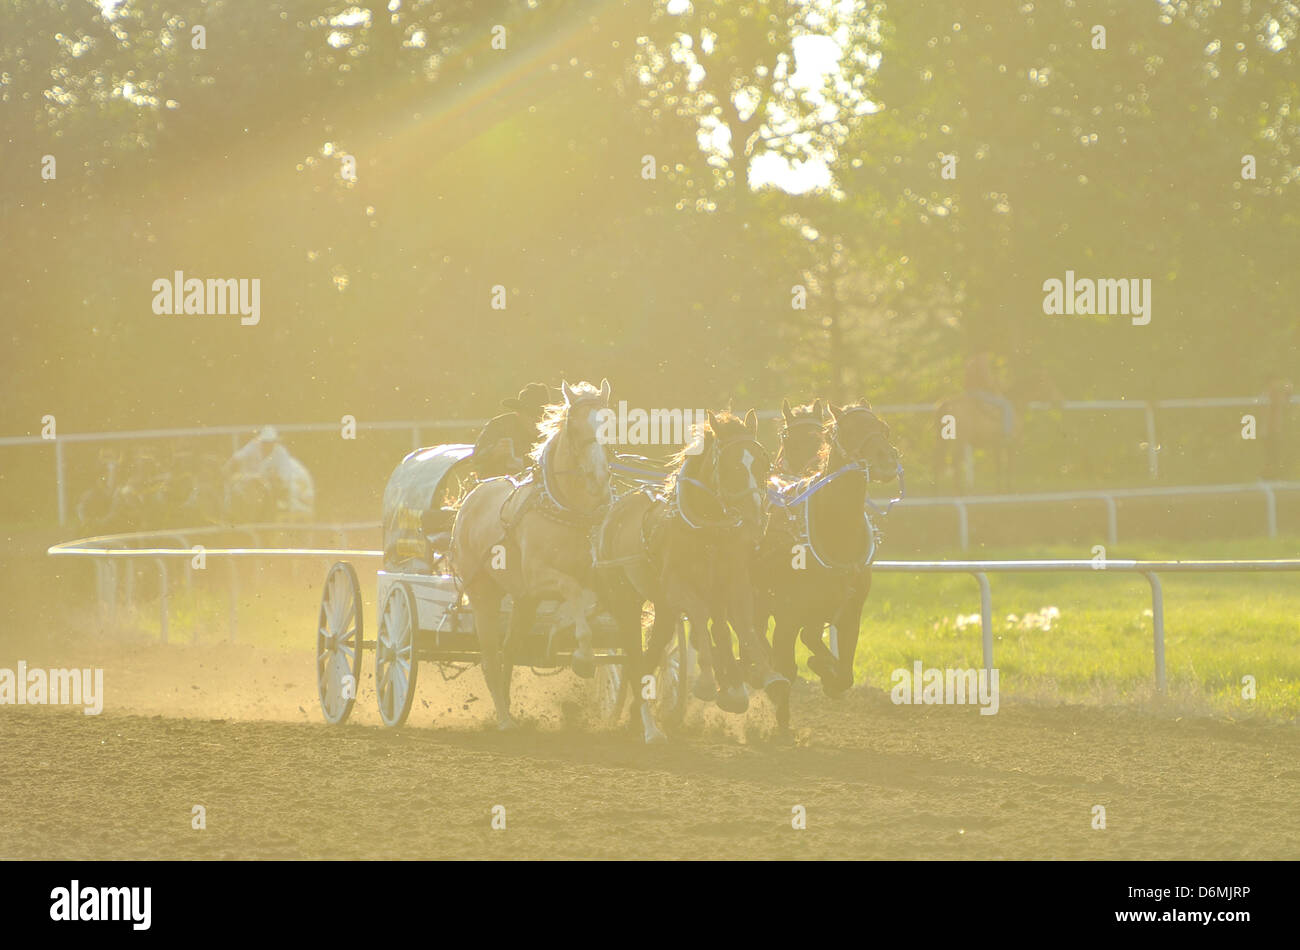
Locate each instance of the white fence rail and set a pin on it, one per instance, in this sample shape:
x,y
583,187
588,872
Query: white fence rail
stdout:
x,y
416,428
107,550
1151,570
1110,498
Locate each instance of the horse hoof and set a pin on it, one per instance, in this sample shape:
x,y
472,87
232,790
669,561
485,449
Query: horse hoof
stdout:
x,y
655,738
733,700
507,725
825,671
705,689
834,688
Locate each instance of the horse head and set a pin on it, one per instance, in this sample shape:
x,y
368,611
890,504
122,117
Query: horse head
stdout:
x,y
856,434
802,437
571,448
727,470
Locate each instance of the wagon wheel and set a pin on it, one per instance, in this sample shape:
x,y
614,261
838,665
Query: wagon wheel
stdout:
x,y
673,683
338,643
610,684
395,663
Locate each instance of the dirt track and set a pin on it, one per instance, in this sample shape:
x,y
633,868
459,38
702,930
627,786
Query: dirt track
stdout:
x,y
877,780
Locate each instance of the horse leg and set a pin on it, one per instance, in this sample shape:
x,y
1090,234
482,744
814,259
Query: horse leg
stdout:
x,y
784,635
662,631
848,627
576,603
729,673
822,661
487,624
732,698
740,598
705,687
523,617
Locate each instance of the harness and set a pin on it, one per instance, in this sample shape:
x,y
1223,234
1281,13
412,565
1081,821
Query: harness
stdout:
x,y
800,523
730,517
668,507
800,422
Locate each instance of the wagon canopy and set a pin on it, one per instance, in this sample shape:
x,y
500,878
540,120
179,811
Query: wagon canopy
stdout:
x,y
419,506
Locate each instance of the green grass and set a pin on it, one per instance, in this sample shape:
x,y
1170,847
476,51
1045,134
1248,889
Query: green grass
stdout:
x,y
1218,629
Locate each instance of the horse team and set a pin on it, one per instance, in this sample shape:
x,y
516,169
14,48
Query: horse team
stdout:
x,y
732,539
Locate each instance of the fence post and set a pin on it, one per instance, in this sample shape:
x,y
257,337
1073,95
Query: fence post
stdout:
x,y
986,617
1153,461
234,598
963,524
1270,508
162,600
1157,626
59,485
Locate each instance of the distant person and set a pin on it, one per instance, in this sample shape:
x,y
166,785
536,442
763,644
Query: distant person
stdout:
x,y
982,384
503,446
263,480
1274,431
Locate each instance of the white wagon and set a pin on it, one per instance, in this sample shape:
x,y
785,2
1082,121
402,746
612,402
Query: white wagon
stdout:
x,y
422,614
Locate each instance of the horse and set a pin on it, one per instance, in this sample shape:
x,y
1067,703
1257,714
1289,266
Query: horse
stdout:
x,y
689,550
530,539
801,438
814,564
965,423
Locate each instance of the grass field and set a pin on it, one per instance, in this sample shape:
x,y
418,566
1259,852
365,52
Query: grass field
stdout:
x,y
1098,648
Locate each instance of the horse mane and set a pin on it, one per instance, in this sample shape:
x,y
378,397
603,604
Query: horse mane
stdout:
x,y
555,415
729,424
807,409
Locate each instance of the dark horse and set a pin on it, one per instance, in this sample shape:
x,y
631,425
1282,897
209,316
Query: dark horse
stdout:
x,y
814,564
689,551
802,436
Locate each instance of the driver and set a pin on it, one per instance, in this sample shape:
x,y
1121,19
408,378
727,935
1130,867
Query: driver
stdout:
x,y
503,446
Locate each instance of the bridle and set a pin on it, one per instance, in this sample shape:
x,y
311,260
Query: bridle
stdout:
x,y
799,422
726,499
544,470
877,435
856,463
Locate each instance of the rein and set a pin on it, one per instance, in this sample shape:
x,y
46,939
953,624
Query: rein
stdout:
x,y
548,496
736,520
780,497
